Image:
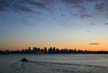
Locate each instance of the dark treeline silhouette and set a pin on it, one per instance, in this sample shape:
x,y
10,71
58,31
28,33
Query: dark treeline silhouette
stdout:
x,y
51,50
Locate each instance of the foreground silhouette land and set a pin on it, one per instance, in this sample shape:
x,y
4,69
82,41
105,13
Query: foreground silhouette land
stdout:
x,y
51,50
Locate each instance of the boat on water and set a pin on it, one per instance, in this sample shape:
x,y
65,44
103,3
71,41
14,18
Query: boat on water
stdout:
x,y
24,60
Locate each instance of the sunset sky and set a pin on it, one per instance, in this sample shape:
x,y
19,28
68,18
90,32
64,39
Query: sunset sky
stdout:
x,y
79,24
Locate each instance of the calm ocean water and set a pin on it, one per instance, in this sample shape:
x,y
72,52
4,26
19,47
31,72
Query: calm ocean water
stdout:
x,y
6,61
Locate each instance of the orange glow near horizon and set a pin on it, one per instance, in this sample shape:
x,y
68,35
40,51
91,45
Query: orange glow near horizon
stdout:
x,y
59,45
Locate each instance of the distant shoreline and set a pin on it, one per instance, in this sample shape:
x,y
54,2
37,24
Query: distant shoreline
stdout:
x,y
98,52
51,50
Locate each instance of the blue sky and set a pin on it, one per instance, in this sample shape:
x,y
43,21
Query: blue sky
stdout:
x,y
59,23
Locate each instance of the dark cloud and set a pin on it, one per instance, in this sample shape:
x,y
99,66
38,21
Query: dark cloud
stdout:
x,y
78,1
23,9
88,31
94,43
92,24
22,5
91,0
97,5
106,24
48,5
74,1
4,5
101,6
83,12
78,4
42,4
82,9
85,16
